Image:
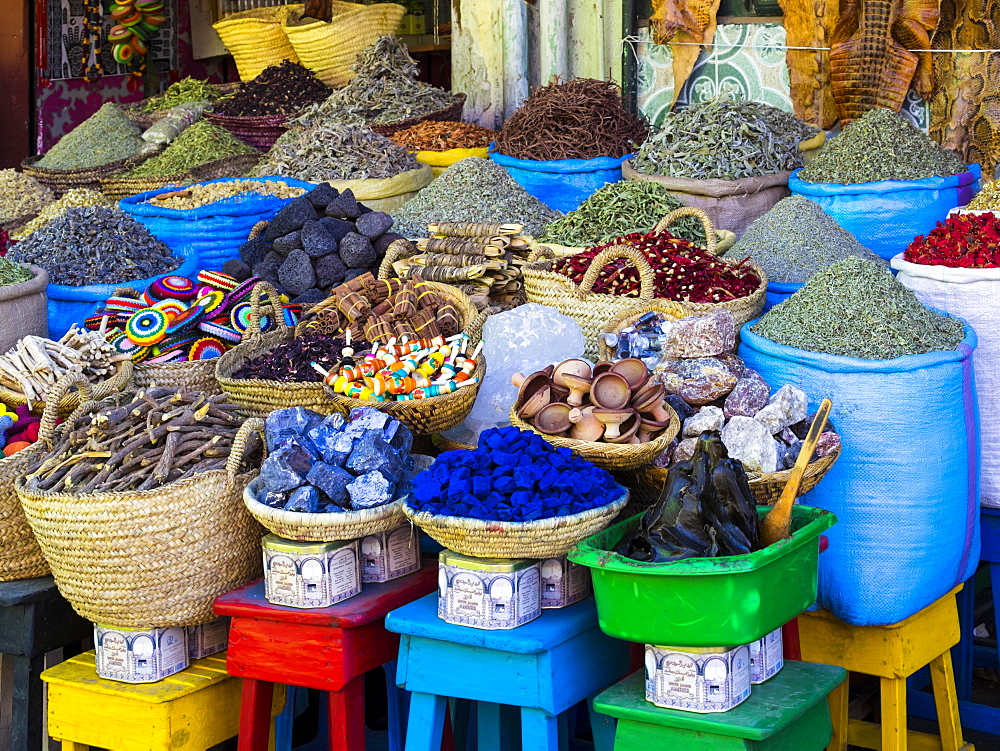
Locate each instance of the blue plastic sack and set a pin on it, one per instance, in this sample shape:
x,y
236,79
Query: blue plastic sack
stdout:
x,y
69,305
778,292
213,232
886,215
906,486
562,184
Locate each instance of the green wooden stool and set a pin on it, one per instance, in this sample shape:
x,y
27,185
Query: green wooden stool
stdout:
x,y
787,713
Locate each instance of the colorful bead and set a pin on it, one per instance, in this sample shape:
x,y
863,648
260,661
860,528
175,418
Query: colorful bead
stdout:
x,y
206,349
176,287
147,326
217,280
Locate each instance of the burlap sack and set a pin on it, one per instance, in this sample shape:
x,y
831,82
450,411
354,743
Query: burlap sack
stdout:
x,y
23,309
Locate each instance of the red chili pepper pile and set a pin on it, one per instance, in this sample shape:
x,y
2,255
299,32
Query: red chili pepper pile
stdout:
x,y
5,242
683,272
962,241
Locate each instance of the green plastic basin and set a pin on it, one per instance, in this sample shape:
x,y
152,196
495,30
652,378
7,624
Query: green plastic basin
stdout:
x,y
704,602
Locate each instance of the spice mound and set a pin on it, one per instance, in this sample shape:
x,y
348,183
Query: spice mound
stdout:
x,y
104,137
856,308
21,196
95,245
329,464
72,199
333,151
795,239
514,476
161,437
198,144
182,92
13,273
618,209
725,140
579,119
473,190
282,89
443,135
384,90
962,241
203,194
988,198
683,272
881,146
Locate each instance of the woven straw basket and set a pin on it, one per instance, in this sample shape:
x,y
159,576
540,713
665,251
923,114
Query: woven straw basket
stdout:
x,y
329,49
118,186
452,112
670,310
62,181
259,132
153,558
196,375
346,525
70,401
256,39
238,165
543,538
609,455
20,556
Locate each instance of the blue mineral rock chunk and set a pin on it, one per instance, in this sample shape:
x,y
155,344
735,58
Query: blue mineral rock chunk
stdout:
x,y
333,508
372,453
271,498
367,418
304,499
290,421
336,453
286,468
324,435
331,480
399,436
371,489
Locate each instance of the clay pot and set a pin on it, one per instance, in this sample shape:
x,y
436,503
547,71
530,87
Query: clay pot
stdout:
x,y
579,368
613,419
651,401
627,430
633,370
533,393
558,393
578,387
649,428
610,391
586,427
553,419
601,368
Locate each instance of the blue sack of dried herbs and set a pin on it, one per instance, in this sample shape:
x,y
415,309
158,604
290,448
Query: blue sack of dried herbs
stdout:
x,y
513,476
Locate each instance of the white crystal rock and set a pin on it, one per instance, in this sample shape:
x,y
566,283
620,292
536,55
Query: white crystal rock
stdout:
x,y
707,418
786,407
750,442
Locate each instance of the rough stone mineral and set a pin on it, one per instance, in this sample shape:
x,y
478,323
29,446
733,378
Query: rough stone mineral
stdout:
x,y
685,449
751,443
785,408
372,453
332,480
705,379
827,444
370,489
304,499
749,396
701,336
707,418
286,468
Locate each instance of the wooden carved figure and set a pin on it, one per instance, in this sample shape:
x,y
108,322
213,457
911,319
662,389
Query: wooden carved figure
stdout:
x,y
686,25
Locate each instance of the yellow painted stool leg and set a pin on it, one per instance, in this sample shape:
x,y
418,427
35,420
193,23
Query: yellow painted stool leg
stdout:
x,y
893,714
946,701
838,713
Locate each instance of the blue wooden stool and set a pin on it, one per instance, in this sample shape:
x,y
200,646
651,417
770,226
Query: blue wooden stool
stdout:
x,y
544,668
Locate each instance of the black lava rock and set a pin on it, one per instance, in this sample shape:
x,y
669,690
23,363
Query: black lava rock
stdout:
x,y
253,251
321,195
357,252
373,224
237,269
296,274
288,243
330,270
292,217
351,273
310,296
317,240
344,206
337,227
382,244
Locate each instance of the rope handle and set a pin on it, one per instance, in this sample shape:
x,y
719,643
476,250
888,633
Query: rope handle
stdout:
x,y
57,393
475,327
711,239
237,452
257,230
542,251
397,249
602,259
273,299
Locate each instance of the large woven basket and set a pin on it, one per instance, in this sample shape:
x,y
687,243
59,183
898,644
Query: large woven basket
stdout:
x,y
238,165
329,49
452,112
118,186
610,455
153,558
62,181
669,309
345,525
256,40
196,375
766,486
259,132
68,401
543,538
20,556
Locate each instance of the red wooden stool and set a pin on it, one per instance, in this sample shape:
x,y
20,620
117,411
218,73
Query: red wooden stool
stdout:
x,y
329,649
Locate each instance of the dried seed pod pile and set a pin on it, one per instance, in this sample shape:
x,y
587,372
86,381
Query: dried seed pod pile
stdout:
x,y
198,144
161,437
21,196
279,90
104,137
72,199
579,119
34,364
183,91
437,135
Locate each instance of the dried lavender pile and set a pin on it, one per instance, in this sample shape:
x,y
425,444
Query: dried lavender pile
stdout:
x,y
104,137
95,245
279,90
473,190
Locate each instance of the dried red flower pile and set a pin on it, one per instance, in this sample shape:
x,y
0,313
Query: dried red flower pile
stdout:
x,y
434,135
962,241
683,272
5,242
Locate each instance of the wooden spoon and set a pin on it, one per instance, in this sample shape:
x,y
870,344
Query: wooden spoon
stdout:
x,y
775,525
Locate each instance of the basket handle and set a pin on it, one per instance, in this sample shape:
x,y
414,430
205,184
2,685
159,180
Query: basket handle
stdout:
x,y
542,251
50,413
475,327
261,288
397,249
257,230
711,239
236,453
602,259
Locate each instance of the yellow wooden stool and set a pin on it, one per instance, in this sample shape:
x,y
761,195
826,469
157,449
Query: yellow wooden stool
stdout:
x,y
190,711
893,653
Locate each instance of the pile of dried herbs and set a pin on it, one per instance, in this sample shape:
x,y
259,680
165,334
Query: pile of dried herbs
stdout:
x,y
21,196
104,137
331,151
182,92
881,146
579,119
856,308
198,144
279,90
724,140
384,90
443,135
618,209
13,273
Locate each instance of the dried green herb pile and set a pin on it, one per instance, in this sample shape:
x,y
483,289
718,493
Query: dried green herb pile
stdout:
x,y
473,190
104,137
282,89
384,90
331,151
198,144
182,92
881,146
21,196
579,119
13,273
618,209
72,199
725,140
795,239
856,308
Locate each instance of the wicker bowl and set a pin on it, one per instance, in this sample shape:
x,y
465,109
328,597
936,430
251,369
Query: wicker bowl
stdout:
x,y
347,525
68,401
542,538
